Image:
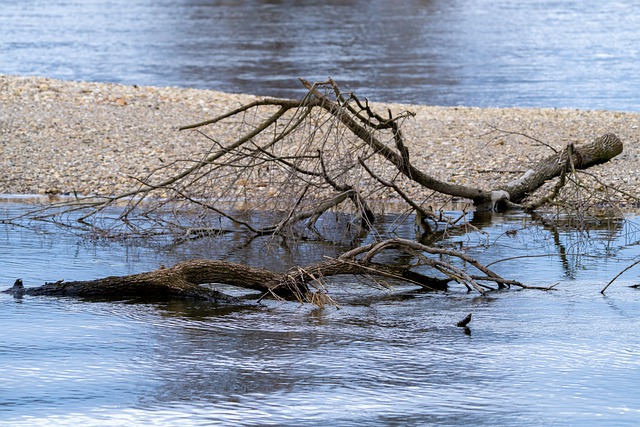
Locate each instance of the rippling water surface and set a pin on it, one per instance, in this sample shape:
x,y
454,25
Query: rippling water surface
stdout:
x,y
568,357
531,53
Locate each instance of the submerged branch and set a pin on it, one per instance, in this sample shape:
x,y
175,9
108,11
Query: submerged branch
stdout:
x,y
185,279
629,267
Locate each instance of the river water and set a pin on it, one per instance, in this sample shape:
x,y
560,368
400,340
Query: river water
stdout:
x,y
530,53
385,358
530,358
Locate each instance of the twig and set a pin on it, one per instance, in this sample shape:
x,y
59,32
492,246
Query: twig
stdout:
x,y
619,274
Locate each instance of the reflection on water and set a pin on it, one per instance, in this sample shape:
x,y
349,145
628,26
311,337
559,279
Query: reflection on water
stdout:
x,y
576,54
568,357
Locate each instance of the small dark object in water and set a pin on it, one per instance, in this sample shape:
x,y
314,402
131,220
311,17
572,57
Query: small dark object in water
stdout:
x,y
464,322
17,290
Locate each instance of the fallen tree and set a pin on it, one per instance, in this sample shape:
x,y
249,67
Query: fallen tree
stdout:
x,y
302,283
315,168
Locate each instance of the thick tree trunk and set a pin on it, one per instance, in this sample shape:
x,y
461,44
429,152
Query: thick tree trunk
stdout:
x,y
184,280
181,281
601,150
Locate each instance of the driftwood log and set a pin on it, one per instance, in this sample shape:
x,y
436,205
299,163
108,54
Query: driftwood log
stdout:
x,y
184,280
601,150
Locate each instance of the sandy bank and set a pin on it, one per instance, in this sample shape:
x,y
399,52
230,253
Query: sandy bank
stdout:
x,y
58,137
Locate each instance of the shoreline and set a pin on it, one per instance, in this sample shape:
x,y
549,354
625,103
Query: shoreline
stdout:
x,y
66,137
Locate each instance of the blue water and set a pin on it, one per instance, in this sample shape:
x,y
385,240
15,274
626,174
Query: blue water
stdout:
x,y
563,358
531,53
385,358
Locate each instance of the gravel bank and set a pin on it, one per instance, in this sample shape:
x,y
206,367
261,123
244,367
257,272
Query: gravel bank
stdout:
x,y
57,137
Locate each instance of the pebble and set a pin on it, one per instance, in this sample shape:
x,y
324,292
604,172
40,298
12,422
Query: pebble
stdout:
x,y
66,137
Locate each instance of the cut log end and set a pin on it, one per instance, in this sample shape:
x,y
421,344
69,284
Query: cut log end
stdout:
x,y
601,150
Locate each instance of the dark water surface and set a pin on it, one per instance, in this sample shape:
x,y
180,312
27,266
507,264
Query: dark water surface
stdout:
x,y
569,357
532,358
531,53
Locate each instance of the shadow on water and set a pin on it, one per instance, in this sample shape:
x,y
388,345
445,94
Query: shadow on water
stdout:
x,y
567,357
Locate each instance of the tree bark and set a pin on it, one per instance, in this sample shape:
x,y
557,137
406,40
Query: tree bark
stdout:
x,y
181,281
